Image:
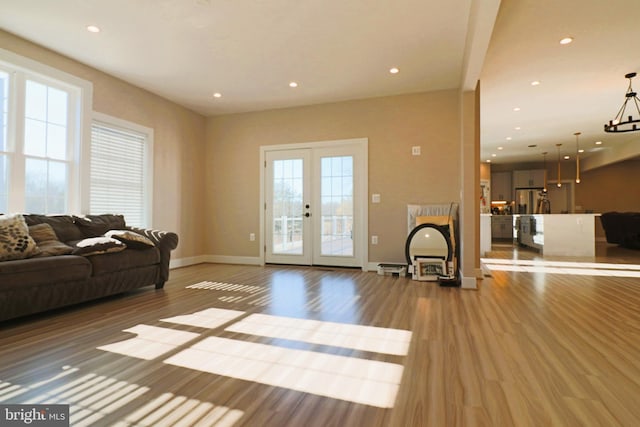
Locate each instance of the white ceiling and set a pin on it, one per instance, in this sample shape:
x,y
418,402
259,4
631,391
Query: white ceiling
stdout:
x,y
582,84
249,51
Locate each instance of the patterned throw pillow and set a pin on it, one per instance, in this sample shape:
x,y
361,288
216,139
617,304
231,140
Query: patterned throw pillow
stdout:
x,y
98,245
132,239
15,242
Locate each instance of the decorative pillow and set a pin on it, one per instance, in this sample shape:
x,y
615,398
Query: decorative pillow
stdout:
x,y
130,238
15,242
47,241
42,233
97,245
63,225
97,225
52,248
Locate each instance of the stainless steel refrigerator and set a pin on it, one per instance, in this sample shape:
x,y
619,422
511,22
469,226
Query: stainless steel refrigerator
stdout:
x,y
527,200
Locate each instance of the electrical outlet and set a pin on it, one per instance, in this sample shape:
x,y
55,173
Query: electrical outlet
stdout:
x,y
375,198
415,150
374,240
252,237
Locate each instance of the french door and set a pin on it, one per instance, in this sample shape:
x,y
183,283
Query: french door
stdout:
x,y
314,205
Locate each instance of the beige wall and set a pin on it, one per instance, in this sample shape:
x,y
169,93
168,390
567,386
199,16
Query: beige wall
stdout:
x,y
392,124
610,188
178,142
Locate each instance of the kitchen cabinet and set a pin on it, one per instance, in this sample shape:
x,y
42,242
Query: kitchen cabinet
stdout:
x,y
501,188
533,178
502,227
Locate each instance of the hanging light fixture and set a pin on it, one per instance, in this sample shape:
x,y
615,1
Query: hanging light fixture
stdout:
x,y
544,181
558,148
577,134
630,125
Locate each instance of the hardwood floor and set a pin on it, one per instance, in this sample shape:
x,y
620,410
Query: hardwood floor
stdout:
x,y
525,349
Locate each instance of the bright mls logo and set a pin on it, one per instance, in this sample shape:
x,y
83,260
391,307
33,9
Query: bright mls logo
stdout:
x,y
34,415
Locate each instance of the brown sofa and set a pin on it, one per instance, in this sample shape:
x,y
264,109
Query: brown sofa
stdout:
x,y
622,228
43,282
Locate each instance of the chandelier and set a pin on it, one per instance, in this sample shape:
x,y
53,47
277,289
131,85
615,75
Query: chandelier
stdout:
x,y
629,125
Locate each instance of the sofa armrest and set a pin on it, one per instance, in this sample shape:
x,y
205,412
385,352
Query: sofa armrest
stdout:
x,y
165,241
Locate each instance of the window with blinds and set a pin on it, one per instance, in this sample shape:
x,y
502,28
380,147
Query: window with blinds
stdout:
x,y
119,170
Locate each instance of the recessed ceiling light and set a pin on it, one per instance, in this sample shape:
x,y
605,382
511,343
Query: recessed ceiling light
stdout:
x,y
517,128
488,160
93,29
494,155
293,84
394,70
581,151
516,109
535,83
508,138
217,95
567,157
500,148
598,142
566,40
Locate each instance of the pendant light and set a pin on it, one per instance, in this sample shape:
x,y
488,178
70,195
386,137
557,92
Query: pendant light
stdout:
x,y
558,148
577,134
629,125
544,181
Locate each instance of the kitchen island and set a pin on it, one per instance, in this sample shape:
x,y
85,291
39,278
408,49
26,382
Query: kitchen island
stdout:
x,y
558,234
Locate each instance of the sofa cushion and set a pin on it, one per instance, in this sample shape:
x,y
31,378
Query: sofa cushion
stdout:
x,y
42,232
130,238
37,271
63,225
47,241
97,225
97,246
15,241
52,248
124,260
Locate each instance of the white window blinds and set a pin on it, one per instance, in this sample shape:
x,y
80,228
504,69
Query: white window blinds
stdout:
x,y
118,173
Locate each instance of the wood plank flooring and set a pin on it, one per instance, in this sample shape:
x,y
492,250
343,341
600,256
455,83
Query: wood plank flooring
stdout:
x,y
525,349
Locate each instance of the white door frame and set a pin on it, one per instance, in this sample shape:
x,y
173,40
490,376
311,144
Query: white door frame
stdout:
x,y
362,223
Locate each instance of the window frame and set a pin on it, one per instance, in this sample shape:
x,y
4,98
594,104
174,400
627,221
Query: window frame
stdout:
x,y
125,125
21,69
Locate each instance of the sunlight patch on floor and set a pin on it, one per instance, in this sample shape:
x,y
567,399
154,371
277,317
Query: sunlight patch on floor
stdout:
x,y
356,380
210,318
352,379
93,397
151,342
176,411
358,337
563,267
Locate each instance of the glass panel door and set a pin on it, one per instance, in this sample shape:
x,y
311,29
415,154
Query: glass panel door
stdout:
x,y
314,206
338,232
287,207
336,195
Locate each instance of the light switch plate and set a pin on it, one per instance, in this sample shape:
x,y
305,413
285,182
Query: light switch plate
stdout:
x,y
375,198
415,150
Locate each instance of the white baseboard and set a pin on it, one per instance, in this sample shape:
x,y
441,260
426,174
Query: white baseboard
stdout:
x,y
371,266
469,283
225,259
185,262
213,259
